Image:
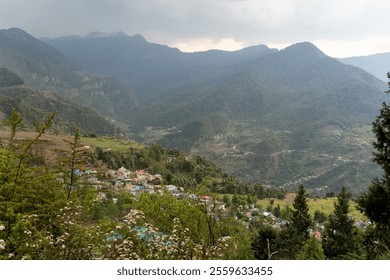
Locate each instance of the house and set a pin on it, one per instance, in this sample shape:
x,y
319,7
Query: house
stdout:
x,y
193,196
140,172
78,172
205,199
267,214
88,172
118,183
317,235
122,173
172,188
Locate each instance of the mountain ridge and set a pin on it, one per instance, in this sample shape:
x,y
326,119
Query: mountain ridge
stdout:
x,y
376,64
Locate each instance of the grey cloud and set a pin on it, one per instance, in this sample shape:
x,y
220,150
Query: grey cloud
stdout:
x,y
249,21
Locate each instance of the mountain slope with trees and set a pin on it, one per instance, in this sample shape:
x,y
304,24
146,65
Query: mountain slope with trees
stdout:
x,y
45,68
376,64
146,67
34,105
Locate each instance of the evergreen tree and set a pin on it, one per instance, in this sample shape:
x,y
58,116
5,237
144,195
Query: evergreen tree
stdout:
x,y
375,203
301,220
341,239
293,237
264,245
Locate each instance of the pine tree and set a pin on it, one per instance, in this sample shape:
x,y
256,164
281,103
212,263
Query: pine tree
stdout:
x,y
341,239
375,203
301,220
293,237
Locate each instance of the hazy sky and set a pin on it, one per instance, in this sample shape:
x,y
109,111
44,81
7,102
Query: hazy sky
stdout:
x,y
338,27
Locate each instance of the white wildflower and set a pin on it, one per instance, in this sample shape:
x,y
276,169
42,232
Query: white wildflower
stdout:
x,y
2,227
2,244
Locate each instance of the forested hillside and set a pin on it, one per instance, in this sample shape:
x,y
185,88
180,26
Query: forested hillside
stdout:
x,y
376,64
34,105
45,68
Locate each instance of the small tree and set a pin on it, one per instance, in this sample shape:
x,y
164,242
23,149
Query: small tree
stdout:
x,y
72,162
312,250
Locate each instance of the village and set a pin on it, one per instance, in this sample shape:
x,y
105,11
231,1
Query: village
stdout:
x,y
141,181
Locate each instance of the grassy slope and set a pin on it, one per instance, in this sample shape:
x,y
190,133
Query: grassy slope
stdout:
x,y
325,205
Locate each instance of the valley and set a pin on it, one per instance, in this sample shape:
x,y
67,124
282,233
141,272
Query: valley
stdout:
x,y
254,154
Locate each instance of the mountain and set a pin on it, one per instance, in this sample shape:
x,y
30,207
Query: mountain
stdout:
x,y
146,67
45,68
35,105
280,88
376,64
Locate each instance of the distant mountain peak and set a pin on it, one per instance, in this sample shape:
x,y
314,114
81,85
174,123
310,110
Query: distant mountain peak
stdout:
x,y
138,37
16,33
304,48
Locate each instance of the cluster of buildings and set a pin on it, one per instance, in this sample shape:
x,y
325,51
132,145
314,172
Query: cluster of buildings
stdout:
x,y
134,182
141,181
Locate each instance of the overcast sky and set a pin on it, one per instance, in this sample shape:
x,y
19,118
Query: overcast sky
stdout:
x,y
340,28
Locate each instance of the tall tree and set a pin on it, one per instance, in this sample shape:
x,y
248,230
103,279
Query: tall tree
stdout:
x,y
375,203
301,220
342,239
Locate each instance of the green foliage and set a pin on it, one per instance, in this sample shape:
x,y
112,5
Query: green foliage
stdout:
x,y
30,196
301,220
13,123
39,219
319,216
34,105
293,237
264,244
341,237
380,129
312,250
8,78
375,203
